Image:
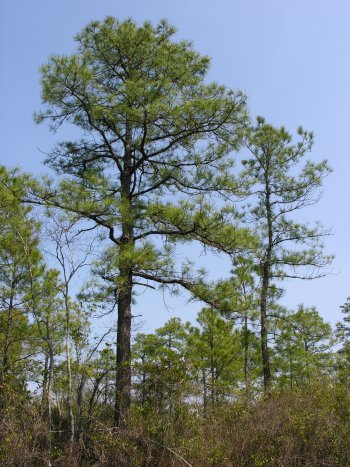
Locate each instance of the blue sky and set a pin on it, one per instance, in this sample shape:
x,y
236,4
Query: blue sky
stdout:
x,y
291,57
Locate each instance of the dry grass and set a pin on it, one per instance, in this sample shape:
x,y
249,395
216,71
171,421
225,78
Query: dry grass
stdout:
x,y
308,427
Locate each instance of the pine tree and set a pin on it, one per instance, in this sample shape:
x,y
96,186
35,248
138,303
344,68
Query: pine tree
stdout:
x,y
280,183
18,251
216,354
302,346
152,130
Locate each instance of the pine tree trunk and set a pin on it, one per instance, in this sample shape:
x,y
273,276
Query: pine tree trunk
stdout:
x,y
80,406
123,375
69,369
246,357
48,392
264,330
212,377
7,343
8,332
291,370
123,383
205,393
266,277
5,364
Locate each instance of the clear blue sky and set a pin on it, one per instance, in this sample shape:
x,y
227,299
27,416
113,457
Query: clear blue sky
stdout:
x,y
291,57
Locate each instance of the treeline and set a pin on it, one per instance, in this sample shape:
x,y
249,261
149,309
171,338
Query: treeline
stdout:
x,y
251,382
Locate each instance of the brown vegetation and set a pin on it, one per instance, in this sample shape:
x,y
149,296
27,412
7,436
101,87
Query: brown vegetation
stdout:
x,y
308,427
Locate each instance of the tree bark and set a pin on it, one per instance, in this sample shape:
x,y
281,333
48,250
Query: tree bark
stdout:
x,y
123,382
205,393
69,367
291,370
123,374
7,343
212,375
246,357
80,391
266,277
264,329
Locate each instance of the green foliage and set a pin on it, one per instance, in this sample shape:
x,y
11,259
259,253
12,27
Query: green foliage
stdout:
x,y
161,368
136,81
343,335
280,183
302,347
19,254
215,353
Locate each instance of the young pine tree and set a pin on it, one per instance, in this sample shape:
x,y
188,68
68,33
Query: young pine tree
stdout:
x,y
280,183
